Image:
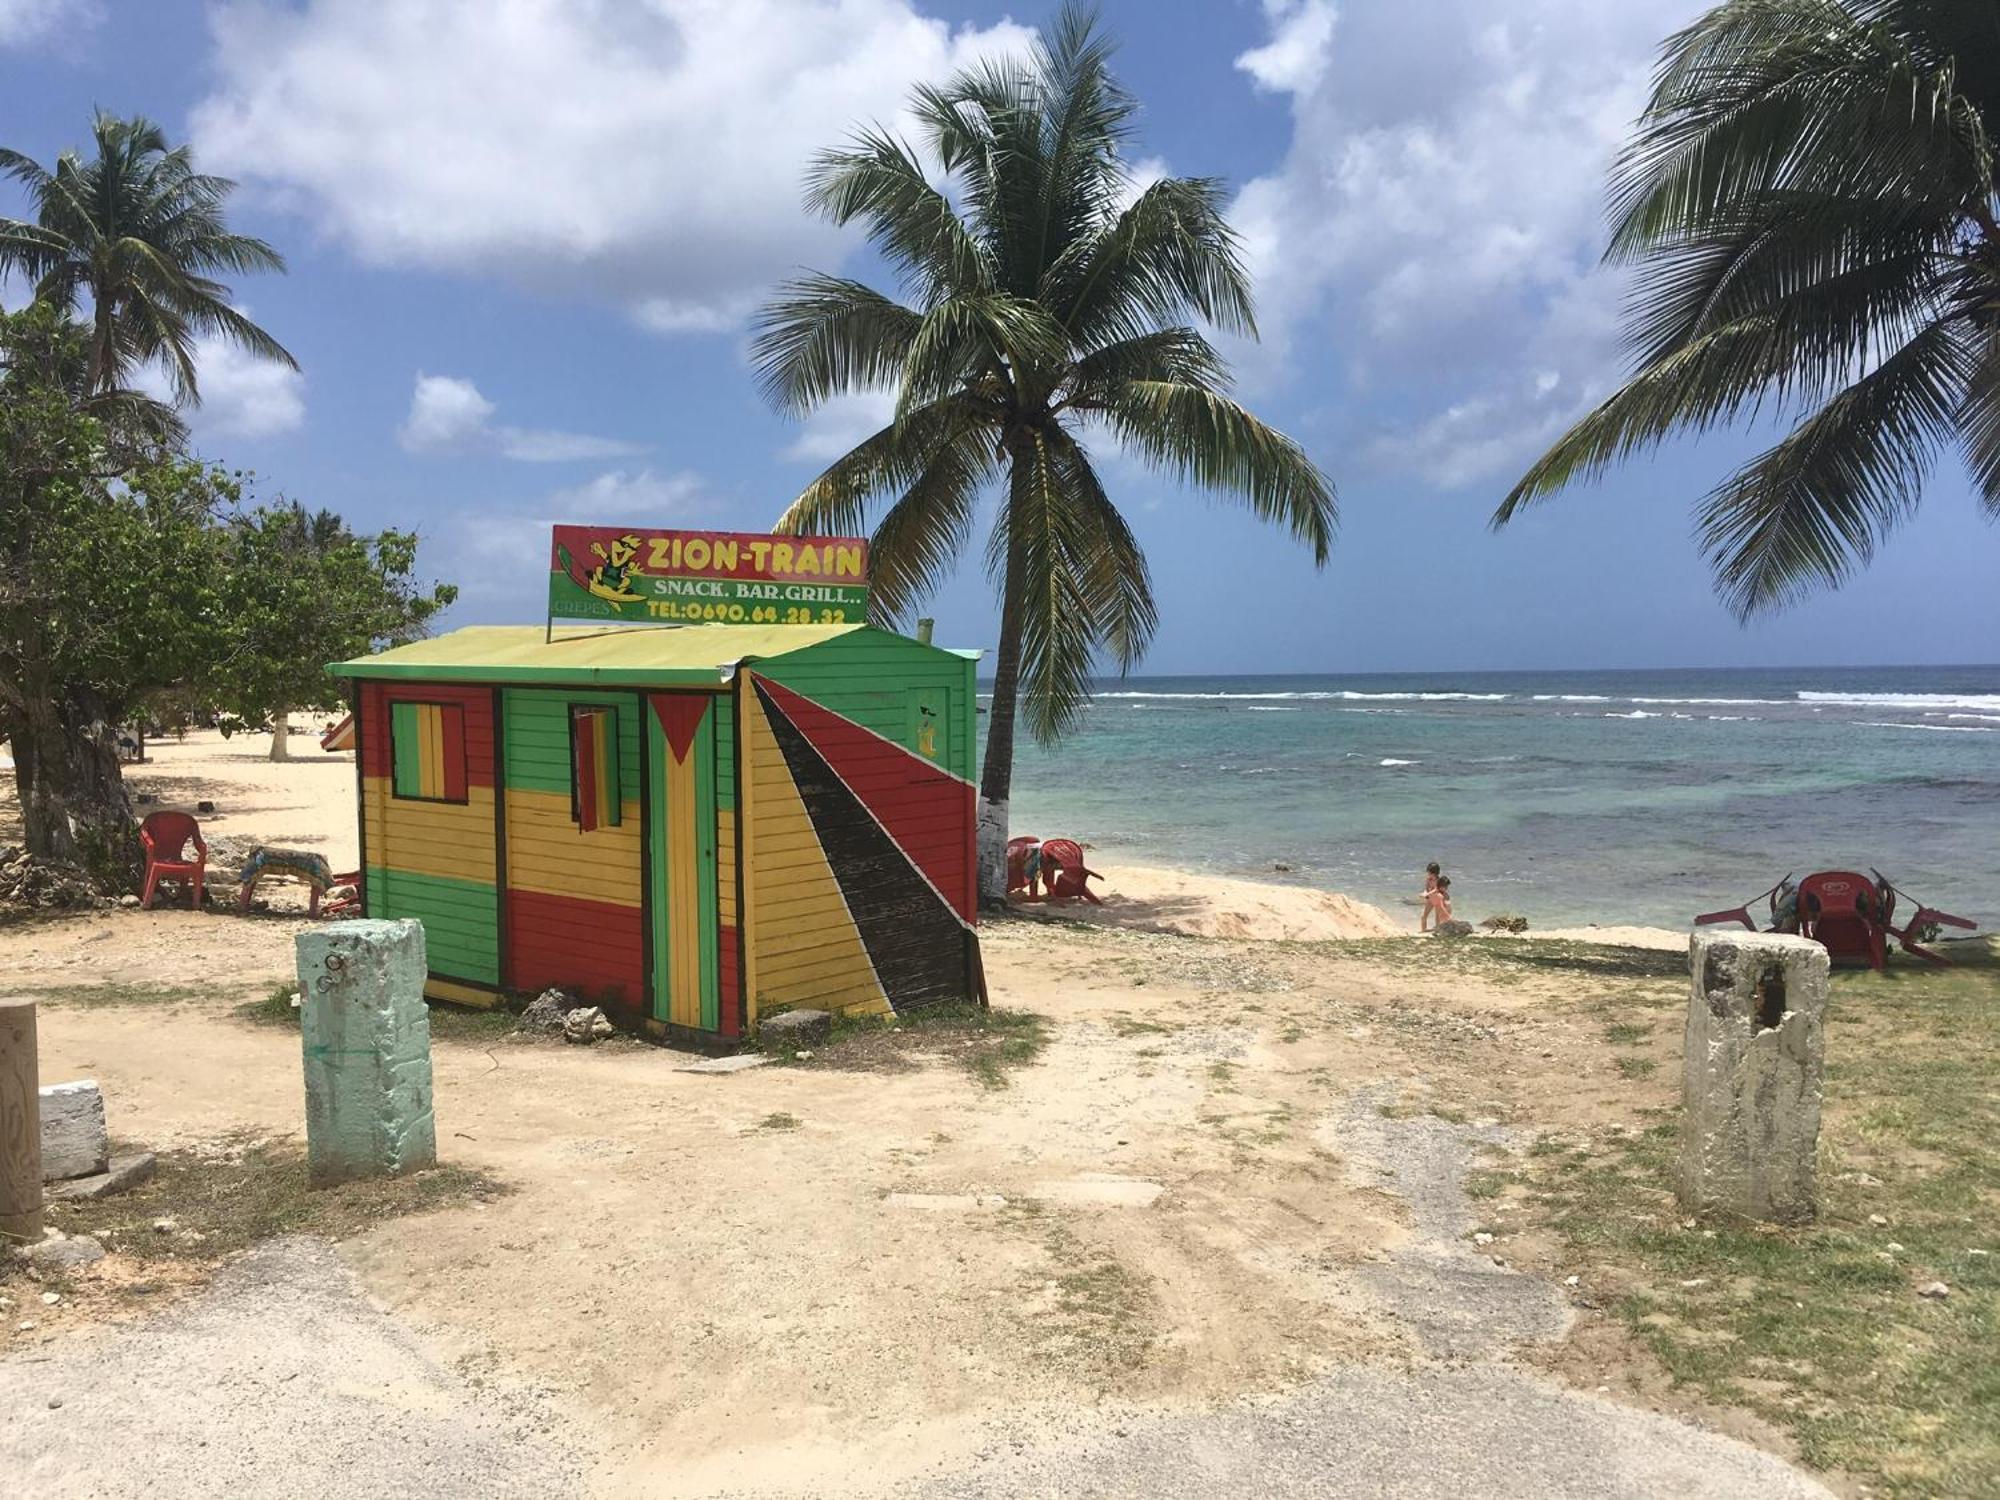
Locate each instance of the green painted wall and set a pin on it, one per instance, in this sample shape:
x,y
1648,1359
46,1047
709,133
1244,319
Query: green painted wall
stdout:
x,y
878,680
535,723
460,929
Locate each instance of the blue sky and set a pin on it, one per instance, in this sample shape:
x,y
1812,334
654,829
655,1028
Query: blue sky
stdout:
x,y
524,237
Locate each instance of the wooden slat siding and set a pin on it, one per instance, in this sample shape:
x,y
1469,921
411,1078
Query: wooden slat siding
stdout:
x,y
588,947
684,916
457,916
435,861
537,723
870,679
573,903
547,852
803,947
909,927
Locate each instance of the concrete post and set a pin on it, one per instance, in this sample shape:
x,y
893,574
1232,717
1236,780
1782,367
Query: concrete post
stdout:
x,y
367,1037
1756,1056
20,1126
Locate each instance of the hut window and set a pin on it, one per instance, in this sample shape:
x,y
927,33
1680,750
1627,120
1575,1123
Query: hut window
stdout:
x,y
427,749
595,794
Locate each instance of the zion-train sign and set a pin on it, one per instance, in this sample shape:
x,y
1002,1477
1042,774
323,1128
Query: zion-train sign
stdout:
x,y
638,577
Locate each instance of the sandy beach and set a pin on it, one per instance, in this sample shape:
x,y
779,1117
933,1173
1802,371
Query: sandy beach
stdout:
x,y
308,803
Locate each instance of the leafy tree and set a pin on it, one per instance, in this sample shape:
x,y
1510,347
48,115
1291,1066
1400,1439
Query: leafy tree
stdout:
x,y
107,566
144,235
301,590
1809,206
1049,299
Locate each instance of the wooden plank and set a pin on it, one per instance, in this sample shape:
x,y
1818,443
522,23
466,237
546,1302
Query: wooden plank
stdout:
x,y
20,1125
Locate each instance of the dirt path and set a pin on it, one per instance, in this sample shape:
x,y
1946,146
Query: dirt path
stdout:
x,y
1213,1184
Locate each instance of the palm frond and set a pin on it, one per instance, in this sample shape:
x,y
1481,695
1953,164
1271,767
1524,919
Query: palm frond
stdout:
x,y
917,543
877,180
964,339
1979,416
1802,514
824,336
1213,443
1123,612
1045,541
1168,258
837,501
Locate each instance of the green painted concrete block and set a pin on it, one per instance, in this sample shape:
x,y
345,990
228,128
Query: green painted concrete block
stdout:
x,y
367,1036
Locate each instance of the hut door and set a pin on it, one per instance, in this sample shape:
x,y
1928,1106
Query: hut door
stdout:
x,y
682,846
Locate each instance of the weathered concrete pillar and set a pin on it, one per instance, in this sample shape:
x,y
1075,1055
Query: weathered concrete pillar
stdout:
x,y
367,1038
1756,1055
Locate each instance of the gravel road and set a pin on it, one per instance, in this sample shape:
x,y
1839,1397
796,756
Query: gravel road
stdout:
x,y
281,1381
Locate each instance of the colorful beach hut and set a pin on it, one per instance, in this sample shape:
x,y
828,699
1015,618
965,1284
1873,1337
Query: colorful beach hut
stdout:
x,y
693,826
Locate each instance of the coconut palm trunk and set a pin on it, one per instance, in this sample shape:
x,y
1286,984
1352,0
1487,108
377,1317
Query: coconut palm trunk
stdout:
x,y
1051,305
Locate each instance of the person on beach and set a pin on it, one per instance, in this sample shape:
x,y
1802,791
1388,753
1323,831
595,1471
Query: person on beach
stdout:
x,y
1431,873
1437,905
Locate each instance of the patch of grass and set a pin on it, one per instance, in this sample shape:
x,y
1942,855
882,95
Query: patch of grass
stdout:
x,y
988,1043
275,1009
231,1196
1104,1313
779,1120
119,993
1819,1329
1626,1033
1636,1067
1130,1026
449,1023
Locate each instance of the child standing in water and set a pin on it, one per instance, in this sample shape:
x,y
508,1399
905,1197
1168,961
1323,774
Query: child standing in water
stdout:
x,y
1437,904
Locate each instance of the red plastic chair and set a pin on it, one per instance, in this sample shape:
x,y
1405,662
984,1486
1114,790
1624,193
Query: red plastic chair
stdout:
x,y
1848,915
1064,870
167,837
1017,862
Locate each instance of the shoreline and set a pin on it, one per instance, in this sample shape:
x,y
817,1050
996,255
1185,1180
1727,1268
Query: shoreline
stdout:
x,y
308,802
1195,903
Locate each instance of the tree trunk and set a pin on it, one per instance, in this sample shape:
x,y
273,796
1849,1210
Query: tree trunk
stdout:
x,y
281,734
996,780
73,802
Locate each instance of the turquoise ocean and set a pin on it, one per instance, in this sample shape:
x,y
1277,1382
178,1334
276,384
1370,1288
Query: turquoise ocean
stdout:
x,y
1565,797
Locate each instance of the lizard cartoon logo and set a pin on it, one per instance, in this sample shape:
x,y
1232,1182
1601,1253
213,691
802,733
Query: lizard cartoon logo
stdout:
x,y
615,571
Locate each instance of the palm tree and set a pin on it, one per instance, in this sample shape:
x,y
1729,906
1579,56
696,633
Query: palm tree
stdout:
x,y
1809,203
144,234
1047,302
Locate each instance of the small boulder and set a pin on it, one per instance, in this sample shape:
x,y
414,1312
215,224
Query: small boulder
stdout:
x,y
796,1028
1453,929
1936,1291
73,1143
586,1025
65,1254
548,1010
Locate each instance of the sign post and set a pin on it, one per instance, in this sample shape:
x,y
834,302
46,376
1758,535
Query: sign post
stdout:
x,y
639,577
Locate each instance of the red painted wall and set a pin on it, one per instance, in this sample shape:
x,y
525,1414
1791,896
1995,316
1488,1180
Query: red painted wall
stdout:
x,y
590,948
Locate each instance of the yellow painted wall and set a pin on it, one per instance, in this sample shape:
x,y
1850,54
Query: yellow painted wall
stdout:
x,y
447,839
548,853
804,947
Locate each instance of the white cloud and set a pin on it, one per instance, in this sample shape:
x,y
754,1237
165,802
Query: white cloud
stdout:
x,y
1295,58
26,22
241,395
490,548
449,415
840,424
650,154
1438,220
